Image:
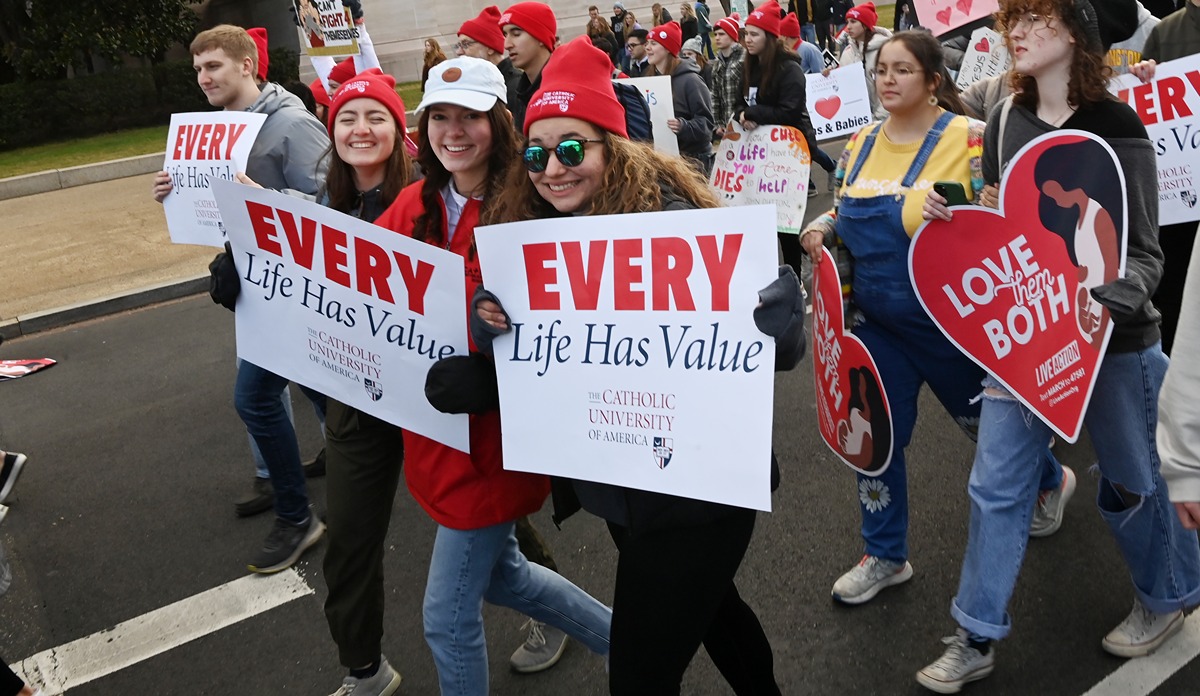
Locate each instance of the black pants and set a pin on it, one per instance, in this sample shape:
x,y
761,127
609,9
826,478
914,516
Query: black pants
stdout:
x,y
1176,242
674,592
10,684
363,458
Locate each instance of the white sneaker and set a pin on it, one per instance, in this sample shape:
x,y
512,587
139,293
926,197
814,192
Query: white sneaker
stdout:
x,y
385,682
1142,632
865,580
543,648
958,665
1048,515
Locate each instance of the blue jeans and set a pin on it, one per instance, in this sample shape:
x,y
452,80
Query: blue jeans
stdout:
x,y
808,32
256,395
285,397
1163,558
473,565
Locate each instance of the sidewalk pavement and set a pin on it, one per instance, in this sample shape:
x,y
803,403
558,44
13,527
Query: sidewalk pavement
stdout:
x,y
93,249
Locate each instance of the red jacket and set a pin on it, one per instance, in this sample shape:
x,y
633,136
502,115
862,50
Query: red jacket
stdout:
x,y
458,490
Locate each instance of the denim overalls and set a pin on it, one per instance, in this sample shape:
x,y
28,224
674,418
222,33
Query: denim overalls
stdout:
x,y
907,346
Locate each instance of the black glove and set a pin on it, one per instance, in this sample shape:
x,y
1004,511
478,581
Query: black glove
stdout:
x,y
482,332
779,303
463,384
223,281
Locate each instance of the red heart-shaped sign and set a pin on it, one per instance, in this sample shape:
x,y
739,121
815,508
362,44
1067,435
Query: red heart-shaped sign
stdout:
x,y
828,106
983,46
852,407
943,16
964,6
1011,287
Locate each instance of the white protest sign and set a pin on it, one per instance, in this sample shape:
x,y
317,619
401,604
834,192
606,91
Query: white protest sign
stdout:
x,y
634,359
327,27
986,57
202,147
658,94
354,311
1169,106
838,104
766,166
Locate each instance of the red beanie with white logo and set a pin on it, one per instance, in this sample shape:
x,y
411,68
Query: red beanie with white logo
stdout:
x,y
730,26
669,36
577,83
865,14
789,28
535,19
765,17
260,41
369,84
485,29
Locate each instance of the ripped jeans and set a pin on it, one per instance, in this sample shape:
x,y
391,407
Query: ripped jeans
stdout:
x,y
1162,557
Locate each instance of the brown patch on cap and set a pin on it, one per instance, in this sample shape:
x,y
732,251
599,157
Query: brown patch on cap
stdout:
x,y
451,75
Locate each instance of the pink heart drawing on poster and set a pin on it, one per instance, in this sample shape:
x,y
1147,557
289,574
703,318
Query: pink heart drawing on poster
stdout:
x,y
828,106
1008,289
983,46
944,16
964,6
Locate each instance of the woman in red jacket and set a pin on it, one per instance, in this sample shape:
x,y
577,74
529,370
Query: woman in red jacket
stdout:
x,y
467,144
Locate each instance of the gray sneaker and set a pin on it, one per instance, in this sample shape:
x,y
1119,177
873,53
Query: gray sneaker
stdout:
x,y
385,683
1142,632
872,574
958,665
10,471
285,544
1048,514
543,648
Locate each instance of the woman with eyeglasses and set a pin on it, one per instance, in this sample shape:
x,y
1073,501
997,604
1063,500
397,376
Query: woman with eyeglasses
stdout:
x,y
1060,81
886,170
677,557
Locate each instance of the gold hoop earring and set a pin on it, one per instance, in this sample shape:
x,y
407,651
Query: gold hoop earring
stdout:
x,y
933,100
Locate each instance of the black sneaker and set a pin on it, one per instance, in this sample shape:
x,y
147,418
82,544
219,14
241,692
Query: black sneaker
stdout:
x,y
316,468
260,499
285,544
10,471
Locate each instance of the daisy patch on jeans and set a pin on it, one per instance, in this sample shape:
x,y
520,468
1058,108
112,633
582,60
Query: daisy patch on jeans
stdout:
x,y
874,494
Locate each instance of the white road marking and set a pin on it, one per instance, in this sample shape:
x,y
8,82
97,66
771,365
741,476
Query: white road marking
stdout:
x,y
1143,675
76,663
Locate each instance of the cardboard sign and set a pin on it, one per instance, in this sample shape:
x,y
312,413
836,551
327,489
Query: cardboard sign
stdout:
x,y
633,358
986,57
838,104
943,16
203,147
1011,287
354,311
852,407
662,109
768,165
327,27
1169,106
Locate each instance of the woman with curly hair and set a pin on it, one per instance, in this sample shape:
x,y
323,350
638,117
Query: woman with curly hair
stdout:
x,y
677,557
1059,80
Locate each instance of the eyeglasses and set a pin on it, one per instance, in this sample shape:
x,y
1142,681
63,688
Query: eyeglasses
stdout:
x,y
569,152
463,45
633,44
900,72
1030,21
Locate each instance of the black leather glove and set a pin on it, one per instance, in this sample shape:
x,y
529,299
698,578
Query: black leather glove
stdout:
x,y
223,281
482,332
463,384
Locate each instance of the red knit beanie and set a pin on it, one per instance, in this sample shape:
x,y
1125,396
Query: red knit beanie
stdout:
x,y
765,17
865,14
730,26
669,36
534,18
319,93
789,28
260,40
485,29
369,84
577,83
343,71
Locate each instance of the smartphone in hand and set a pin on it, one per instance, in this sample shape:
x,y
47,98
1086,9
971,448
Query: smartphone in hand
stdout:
x,y
952,191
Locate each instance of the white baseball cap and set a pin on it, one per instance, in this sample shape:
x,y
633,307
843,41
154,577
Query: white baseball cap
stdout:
x,y
472,83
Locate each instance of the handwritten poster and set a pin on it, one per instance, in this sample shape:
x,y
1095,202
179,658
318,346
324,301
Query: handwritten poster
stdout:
x,y
658,94
986,57
838,104
327,27
354,311
768,165
633,345
203,147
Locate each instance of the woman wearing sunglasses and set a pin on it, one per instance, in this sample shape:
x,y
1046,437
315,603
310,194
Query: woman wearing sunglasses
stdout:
x,y
677,557
467,142
1060,81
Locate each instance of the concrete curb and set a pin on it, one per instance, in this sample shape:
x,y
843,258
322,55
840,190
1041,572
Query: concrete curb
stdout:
x,y
55,179
94,309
